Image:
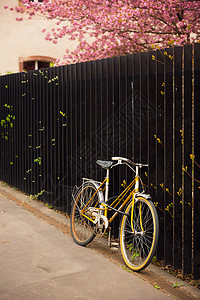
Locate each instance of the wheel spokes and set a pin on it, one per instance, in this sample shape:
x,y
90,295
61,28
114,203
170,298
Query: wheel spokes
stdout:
x,y
138,243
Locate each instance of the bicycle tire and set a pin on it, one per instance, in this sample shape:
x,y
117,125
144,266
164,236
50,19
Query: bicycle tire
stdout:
x,y
138,247
82,229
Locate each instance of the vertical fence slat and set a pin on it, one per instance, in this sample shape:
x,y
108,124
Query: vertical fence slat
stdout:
x,y
151,99
74,137
98,115
71,125
42,133
51,136
88,153
46,132
129,123
62,138
36,158
1,128
10,130
56,199
132,106
159,138
103,110
15,156
116,120
123,107
78,113
5,169
117,104
40,136
136,107
196,201
58,135
127,116
111,124
34,145
168,157
66,141
83,104
28,173
117,125
187,163
21,131
126,102
177,148
93,104
95,114
105,119
25,99
143,110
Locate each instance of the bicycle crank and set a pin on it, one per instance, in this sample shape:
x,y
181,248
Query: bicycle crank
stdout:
x,y
100,220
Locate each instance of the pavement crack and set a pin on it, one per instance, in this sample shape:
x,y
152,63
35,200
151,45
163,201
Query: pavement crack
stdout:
x,y
46,269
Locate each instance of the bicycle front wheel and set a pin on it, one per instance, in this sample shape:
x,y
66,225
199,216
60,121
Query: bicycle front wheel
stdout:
x,y
86,200
139,236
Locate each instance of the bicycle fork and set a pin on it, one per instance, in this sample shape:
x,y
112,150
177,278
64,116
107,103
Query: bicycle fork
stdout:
x,y
137,183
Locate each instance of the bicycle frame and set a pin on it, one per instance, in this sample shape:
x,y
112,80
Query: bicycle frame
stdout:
x,y
104,187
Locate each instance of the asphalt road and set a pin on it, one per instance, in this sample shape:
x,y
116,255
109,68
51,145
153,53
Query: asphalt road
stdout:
x,y
37,261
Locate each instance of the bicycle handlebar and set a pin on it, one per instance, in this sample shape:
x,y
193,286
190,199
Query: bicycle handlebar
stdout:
x,y
120,159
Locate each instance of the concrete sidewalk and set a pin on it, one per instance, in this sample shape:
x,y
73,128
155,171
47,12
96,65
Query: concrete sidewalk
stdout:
x,y
37,261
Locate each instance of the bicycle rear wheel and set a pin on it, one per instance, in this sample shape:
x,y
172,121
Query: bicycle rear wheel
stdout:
x,y
82,228
138,245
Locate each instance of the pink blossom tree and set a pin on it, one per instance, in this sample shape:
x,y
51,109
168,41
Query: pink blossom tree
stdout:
x,y
106,28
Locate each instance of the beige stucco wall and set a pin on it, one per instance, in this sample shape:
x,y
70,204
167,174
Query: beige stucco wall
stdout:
x,y
22,39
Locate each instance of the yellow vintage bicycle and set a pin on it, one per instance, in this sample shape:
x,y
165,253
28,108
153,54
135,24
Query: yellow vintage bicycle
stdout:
x,y
93,212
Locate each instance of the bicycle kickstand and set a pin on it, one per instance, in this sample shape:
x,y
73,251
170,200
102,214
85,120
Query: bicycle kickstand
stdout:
x,y
114,246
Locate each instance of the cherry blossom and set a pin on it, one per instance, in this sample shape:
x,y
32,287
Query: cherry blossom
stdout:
x,y
107,28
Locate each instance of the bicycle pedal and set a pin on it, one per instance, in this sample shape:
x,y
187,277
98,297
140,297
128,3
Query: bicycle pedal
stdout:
x,y
114,246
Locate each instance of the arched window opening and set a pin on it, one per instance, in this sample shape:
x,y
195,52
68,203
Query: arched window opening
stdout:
x,y
35,62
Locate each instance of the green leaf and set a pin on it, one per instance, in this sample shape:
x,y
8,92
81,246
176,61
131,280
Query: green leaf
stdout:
x,y
177,284
157,286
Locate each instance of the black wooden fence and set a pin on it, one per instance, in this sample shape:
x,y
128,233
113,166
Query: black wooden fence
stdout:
x,y
56,122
